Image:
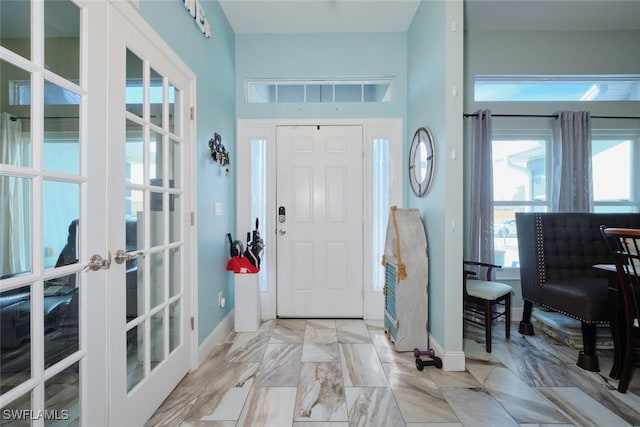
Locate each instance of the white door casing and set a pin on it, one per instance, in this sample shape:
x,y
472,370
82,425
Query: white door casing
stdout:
x,y
150,140
264,131
319,244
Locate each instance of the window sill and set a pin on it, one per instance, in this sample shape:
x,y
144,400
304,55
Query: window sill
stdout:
x,y
508,274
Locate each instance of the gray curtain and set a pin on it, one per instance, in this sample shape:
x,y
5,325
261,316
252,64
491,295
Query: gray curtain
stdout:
x,y
481,221
571,185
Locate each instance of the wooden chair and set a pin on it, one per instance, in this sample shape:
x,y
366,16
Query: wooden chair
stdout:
x,y
624,245
483,298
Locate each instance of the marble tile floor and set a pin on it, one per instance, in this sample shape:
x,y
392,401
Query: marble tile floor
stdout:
x,y
339,373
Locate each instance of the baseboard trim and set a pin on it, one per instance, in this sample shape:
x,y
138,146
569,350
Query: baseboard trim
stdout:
x,y
215,337
451,360
516,313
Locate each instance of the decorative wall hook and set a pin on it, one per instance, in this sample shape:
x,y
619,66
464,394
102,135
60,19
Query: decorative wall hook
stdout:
x,y
219,153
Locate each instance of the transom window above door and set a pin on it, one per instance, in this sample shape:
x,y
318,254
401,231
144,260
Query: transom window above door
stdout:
x,y
318,91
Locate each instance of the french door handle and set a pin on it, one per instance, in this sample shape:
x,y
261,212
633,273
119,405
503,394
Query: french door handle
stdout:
x,y
96,262
122,256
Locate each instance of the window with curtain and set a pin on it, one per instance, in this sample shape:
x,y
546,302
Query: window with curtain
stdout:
x,y
521,167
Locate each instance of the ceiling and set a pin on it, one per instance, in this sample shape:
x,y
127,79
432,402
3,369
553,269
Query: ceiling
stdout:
x,y
327,16
319,16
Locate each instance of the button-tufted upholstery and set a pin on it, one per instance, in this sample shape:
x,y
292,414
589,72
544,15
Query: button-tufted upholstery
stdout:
x,y
557,255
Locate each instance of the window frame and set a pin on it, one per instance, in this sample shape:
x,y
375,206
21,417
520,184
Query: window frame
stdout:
x,y
512,273
546,135
623,134
555,87
276,84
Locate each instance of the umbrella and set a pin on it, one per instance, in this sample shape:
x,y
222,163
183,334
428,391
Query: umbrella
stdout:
x,y
235,247
255,246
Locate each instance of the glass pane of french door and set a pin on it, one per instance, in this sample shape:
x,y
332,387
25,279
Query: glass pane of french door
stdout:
x,y
153,190
43,210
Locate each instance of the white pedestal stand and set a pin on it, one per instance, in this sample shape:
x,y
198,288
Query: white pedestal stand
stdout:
x,y
247,302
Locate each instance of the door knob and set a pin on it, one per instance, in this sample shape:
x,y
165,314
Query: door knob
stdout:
x,y
96,262
282,232
121,256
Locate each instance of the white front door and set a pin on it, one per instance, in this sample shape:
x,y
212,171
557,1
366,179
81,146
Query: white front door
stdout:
x,y
149,225
319,236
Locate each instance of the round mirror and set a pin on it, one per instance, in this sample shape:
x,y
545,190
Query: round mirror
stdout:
x,y
421,158
421,162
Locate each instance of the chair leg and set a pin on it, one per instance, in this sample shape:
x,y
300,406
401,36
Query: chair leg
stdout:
x,y
627,348
627,363
507,307
487,325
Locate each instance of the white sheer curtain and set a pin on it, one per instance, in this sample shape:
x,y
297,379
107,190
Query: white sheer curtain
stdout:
x,y
481,221
15,196
571,189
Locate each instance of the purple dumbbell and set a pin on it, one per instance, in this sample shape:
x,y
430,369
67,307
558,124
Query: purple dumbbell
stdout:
x,y
428,352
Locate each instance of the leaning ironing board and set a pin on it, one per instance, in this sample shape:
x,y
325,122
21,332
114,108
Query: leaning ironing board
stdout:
x,y
406,278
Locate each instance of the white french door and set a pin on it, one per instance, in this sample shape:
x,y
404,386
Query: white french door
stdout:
x,y
320,221
149,227
95,134
52,209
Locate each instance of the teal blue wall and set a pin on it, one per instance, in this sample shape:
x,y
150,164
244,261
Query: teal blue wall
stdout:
x,y
306,56
212,60
413,59
434,67
426,71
